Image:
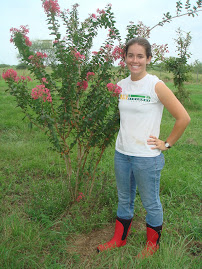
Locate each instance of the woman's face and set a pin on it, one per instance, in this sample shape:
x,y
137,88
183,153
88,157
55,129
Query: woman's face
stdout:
x,y
137,61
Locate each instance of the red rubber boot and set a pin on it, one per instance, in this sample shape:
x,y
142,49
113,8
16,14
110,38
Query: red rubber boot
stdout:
x,y
152,244
122,229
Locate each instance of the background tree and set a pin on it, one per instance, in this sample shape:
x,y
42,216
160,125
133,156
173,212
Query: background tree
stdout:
x,y
179,66
45,46
197,68
42,46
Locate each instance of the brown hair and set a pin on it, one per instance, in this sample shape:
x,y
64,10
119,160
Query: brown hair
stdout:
x,y
140,41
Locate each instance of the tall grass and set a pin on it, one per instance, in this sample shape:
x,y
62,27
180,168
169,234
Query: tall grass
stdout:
x,y
39,222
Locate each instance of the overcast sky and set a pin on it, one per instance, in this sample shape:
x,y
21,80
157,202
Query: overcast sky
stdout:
x,y
30,12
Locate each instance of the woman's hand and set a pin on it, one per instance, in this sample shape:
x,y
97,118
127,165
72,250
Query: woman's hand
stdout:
x,y
158,144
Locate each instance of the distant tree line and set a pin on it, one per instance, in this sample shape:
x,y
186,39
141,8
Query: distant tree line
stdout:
x,y
195,67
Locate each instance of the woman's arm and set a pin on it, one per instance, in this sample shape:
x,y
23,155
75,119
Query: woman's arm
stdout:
x,y
177,110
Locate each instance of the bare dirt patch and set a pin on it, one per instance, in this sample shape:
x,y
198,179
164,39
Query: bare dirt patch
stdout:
x,y
85,245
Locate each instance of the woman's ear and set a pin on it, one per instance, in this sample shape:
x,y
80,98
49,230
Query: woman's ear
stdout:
x,y
149,60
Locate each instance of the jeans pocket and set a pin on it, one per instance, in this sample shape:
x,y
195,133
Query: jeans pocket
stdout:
x,y
145,163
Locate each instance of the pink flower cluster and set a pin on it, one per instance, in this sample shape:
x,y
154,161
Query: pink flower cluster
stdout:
x,y
111,53
27,41
78,55
41,92
94,16
83,85
122,64
118,53
114,88
24,31
23,79
36,59
142,30
158,51
44,80
89,74
111,33
108,46
100,11
51,6
11,74
42,55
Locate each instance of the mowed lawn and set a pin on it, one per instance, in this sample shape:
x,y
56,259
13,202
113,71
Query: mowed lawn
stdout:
x,y
39,222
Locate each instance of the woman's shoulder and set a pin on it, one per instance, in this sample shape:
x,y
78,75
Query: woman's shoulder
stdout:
x,y
153,78
123,81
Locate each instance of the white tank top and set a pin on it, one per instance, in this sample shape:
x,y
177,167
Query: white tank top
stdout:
x,y
140,116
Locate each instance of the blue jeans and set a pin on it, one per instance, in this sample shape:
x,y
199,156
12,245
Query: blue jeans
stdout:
x,y
144,173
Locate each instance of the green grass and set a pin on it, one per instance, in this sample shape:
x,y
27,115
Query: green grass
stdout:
x,y
39,221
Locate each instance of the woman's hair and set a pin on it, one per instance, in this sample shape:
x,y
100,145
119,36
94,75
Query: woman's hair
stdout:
x,y
140,41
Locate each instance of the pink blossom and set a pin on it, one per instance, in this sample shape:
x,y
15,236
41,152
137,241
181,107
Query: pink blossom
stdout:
x,y
158,51
110,87
80,197
111,32
108,46
17,79
28,78
49,98
79,55
117,53
55,41
94,16
41,92
122,64
44,80
24,31
27,41
89,74
66,11
36,59
10,74
94,52
100,11
51,6
83,85
114,88
41,55
117,89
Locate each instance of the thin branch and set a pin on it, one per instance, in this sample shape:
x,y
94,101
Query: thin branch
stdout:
x,y
93,178
43,129
177,16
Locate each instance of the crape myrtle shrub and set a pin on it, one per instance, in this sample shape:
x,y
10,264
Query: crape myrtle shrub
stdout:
x,y
76,103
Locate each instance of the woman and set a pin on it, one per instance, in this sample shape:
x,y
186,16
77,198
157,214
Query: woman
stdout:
x,y
138,157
